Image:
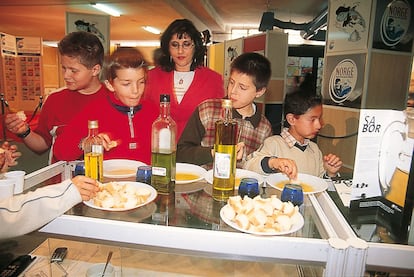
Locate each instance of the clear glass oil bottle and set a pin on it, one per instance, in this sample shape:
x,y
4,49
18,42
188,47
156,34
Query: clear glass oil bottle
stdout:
x,y
163,147
224,165
93,152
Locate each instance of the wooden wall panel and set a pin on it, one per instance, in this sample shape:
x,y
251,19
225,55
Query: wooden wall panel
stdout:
x,y
51,69
274,93
388,81
277,52
340,122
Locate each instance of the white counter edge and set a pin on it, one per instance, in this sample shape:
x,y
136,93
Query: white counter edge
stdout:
x,y
390,256
219,242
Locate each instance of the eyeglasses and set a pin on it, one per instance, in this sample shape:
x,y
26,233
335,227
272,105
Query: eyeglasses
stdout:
x,y
186,45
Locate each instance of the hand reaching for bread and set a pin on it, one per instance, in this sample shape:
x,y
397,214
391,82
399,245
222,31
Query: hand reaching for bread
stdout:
x,y
108,144
112,144
16,122
21,115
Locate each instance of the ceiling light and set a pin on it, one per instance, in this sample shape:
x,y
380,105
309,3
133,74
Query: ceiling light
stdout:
x,y
106,9
152,30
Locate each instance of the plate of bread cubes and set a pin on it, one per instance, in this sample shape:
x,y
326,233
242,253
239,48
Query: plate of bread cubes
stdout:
x,y
262,216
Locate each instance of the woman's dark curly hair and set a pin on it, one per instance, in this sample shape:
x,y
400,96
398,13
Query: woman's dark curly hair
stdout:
x,y
181,27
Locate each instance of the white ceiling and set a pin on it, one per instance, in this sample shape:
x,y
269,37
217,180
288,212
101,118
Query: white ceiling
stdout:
x,y
46,18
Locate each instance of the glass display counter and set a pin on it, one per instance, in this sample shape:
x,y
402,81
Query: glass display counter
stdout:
x,y
188,223
388,249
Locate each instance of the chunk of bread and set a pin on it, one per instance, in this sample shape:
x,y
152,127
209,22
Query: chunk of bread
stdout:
x,y
118,195
21,115
112,144
242,221
261,215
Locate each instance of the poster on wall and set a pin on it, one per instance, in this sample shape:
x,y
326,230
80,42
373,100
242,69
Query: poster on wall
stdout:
x,y
348,25
232,49
344,80
30,81
394,27
29,51
92,23
9,81
29,46
8,44
383,156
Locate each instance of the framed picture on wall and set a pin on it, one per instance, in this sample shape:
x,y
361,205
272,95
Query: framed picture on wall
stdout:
x,y
393,27
232,49
98,25
343,80
348,25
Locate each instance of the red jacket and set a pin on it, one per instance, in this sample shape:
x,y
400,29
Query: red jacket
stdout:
x,y
207,84
59,109
133,146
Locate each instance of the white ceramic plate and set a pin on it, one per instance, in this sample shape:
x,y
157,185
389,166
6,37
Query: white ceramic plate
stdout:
x,y
190,187
151,198
240,173
136,215
184,168
317,184
119,168
293,229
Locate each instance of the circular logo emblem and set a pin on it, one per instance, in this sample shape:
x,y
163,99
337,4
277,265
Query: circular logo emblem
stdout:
x,y
342,81
395,22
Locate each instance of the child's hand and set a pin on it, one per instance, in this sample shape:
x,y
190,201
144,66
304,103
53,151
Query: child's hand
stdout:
x,y
332,164
108,144
87,187
15,124
240,150
285,166
8,156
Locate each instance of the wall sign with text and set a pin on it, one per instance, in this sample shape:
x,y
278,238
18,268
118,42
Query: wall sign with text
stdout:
x,y
394,25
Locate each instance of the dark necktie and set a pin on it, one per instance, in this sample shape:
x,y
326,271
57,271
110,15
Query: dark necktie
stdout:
x,y
301,147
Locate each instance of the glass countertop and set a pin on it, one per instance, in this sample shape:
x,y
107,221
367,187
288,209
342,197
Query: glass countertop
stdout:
x,y
192,206
373,225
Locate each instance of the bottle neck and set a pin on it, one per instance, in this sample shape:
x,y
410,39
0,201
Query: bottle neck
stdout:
x,y
227,114
93,132
164,109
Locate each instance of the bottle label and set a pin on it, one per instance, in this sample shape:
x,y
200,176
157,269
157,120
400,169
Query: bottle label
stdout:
x,y
97,149
165,139
222,165
159,171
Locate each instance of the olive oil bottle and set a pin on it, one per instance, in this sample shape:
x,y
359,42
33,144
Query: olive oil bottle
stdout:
x,y
224,166
163,147
93,152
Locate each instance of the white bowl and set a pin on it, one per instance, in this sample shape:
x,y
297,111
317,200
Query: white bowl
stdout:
x,y
120,168
317,184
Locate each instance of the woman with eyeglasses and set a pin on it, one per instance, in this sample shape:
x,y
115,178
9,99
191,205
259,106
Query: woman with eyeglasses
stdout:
x,y
181,73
